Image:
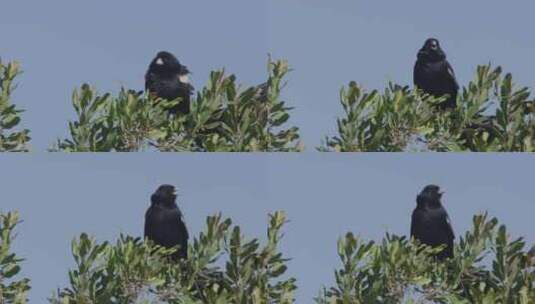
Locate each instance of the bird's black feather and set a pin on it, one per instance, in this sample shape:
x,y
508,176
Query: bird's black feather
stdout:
x,y
165,78
434,74
430,222
164,224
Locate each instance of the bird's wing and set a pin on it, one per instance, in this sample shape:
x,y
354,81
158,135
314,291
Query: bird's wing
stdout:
x,y
415,222
451,75
417,75
151,85
187,87
446,224
149,81
183,238
182,227
449,228
148,233
451,237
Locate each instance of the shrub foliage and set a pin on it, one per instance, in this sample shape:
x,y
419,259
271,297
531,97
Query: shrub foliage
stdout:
x,y
11,140
222,267
224,117
12,288
488,267
492,114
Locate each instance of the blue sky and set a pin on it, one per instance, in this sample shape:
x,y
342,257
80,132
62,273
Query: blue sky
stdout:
x,y
63,43
325,196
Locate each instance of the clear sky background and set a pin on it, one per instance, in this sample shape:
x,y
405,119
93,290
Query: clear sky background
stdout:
x,y
325,196
63,43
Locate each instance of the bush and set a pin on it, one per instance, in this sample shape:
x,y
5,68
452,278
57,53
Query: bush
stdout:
x,y
223,267
133,271
492,114
10,140
12,290
224,117
488,267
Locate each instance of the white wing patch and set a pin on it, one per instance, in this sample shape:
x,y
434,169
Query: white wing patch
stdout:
x,y
183,78
159,61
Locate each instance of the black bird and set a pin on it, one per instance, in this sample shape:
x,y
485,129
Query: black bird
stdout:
x,y
430,222
163,221
434,75
166,78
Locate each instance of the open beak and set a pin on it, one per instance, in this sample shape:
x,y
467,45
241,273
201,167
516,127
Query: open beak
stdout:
x,y
184,70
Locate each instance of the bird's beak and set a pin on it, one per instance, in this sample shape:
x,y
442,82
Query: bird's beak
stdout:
x,y
185,70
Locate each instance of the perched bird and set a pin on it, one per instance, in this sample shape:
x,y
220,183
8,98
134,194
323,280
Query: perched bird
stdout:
x,y
166,78
430,222
434,75
163,221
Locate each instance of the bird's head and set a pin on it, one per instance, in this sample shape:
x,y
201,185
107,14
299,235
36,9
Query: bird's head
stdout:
x,y
165,194
430,195
431,51
166,62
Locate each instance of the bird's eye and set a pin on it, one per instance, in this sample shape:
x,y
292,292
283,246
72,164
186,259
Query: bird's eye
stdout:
x,y
159,61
